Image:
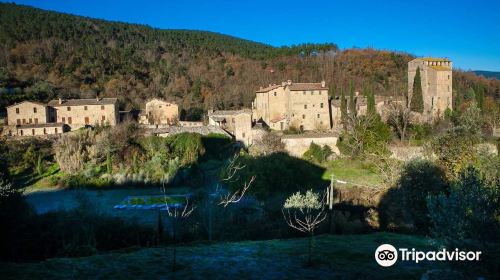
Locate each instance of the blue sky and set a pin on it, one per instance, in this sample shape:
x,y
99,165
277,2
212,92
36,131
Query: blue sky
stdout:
x,y
468,32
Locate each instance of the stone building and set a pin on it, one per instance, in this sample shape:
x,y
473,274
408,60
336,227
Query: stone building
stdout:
x,y
301,106
159,112
236,122
436,81
27,112
78,113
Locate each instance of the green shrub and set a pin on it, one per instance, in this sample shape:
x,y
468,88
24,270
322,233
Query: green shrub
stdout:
x,y
317,153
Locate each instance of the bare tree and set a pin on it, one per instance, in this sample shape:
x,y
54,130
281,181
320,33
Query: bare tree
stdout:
x,y
230,176
177,215
399,117
304,212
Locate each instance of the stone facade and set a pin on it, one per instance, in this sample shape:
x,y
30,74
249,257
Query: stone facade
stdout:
x,y
27,112
36,129
436,81
78,113
237,122
159,112
302,106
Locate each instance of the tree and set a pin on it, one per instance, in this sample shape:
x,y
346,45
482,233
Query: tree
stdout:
x,y
370,100
343,106
469,211
305,212
399,117
417,100
352,102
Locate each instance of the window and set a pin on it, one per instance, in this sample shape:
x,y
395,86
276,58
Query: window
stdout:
x,y
44,131
18,122
103,118
68,108
85,108
305,106
321,105
318,116
319,92
102,107
448,77
159,106
312,92
69,120
55,130
303,116
21,132
34,110
274,93
30,121
448,88
36,120
63,119
304,92
243,135
24,121
432,102
232,120
87,120
32,131
17,110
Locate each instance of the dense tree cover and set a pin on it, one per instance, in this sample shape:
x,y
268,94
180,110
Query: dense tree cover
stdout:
x,y
45,54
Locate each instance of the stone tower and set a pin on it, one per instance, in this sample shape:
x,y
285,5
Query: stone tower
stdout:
x,y
436,81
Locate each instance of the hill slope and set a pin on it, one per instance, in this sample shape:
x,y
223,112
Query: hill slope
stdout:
x,y
488,74
273,259
44,54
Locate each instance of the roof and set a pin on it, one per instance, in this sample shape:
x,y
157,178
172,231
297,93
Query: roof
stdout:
x,y
270,87
275,120
222,113
40,125
434,59
81,102
310,135
440,68
306,86
34,102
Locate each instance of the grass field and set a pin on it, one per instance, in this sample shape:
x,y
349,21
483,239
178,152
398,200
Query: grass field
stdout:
x,y
355,171
337,257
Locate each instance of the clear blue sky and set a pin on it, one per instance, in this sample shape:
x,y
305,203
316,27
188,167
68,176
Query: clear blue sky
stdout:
x,y
468,32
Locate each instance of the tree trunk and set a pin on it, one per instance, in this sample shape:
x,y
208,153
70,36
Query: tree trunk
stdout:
x,y
309,261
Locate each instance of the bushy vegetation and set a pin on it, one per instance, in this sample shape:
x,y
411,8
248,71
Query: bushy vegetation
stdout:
x,y
318,154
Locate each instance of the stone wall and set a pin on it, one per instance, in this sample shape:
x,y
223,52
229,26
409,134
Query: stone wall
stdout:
x,y
27,113
297,145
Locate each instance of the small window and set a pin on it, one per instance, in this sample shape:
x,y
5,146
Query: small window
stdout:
x,y
448,77
448,88
69,108
102,107
21,132
232,120
103,118
274,93
321,105
243,135
63,119
159,106
44,131
319,92
304,92
31,120
55,130
34,110
24,121
18,122
17,110
85,108
305,106
318,116
312,92
69,120
36,120
33,131
303,116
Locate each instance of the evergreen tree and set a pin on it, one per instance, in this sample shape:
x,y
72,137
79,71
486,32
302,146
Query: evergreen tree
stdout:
x,y
417,100
480,97
352,104
370,101
343,105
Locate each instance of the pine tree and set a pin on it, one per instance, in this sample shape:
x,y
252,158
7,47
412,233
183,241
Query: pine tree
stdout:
x,y
370,101
417,100
480,97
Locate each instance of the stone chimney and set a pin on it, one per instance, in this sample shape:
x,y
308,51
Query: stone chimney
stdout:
x,y
289,82
60,100
323,83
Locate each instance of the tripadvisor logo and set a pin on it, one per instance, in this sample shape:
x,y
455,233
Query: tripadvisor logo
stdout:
x,y
387,255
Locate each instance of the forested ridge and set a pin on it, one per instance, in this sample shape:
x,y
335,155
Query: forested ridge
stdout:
x,y
45,54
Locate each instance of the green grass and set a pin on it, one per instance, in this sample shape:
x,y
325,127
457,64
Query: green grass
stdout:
x,y
355,171
336,257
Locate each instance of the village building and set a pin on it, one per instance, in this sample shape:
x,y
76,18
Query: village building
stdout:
x,y
78,113
303,106
159,112
238,123
436,81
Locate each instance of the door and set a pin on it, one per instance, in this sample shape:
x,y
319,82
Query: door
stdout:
x,y
87,120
